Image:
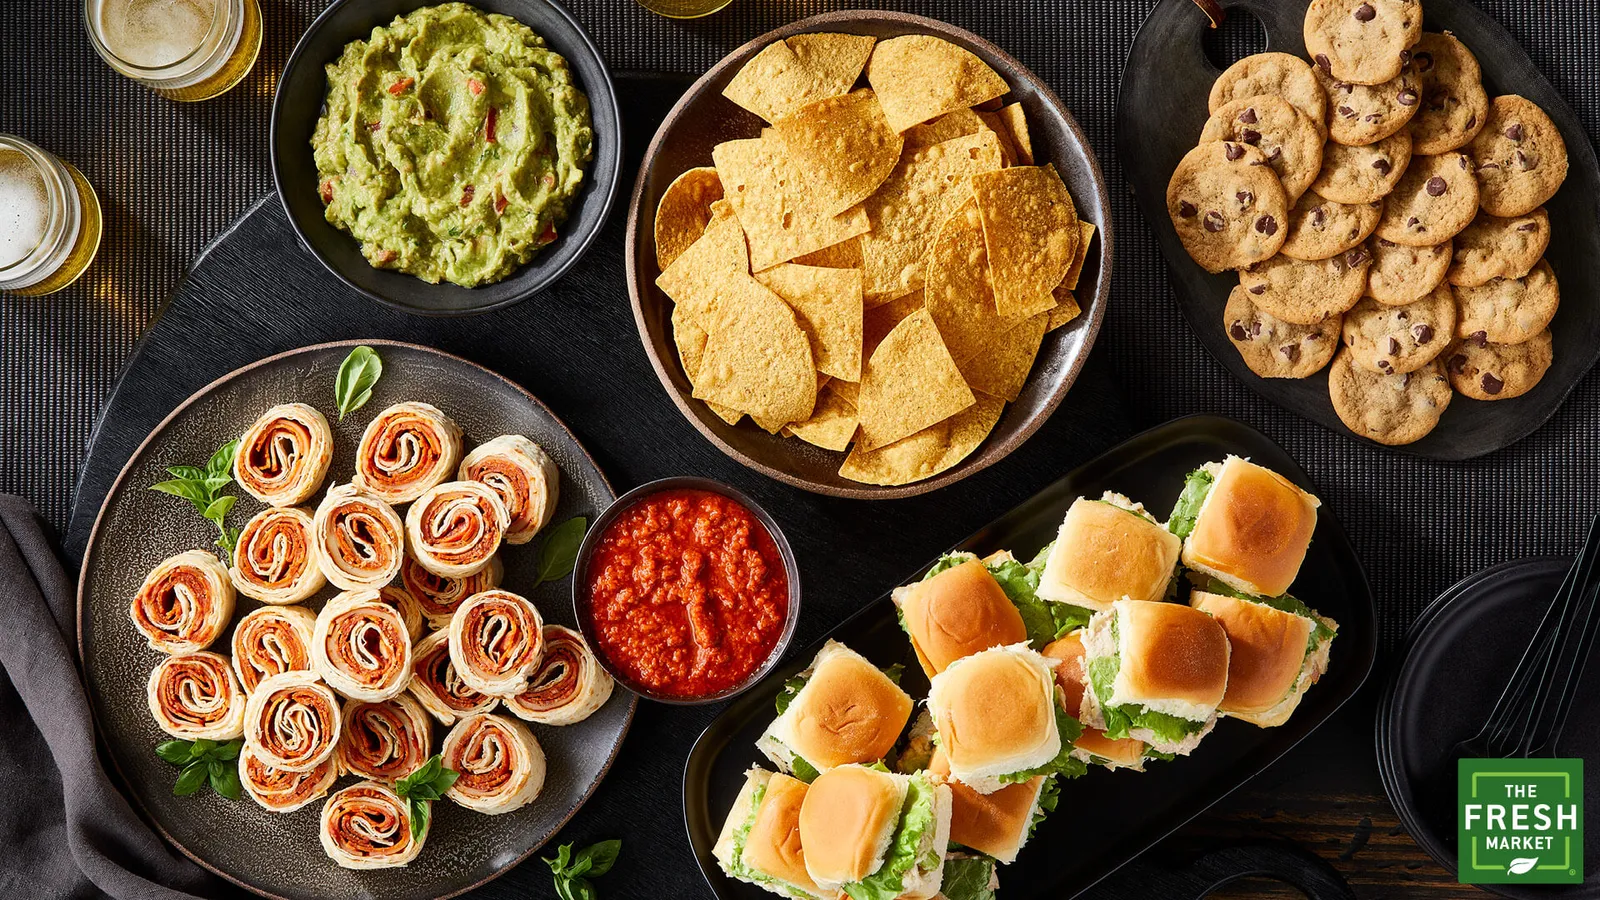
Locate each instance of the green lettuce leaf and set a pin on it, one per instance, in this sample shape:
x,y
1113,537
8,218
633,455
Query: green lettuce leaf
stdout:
x,y
1044,620
1048,795
1187,509
946,562
803,770
1287,603
968,878
791,688
738,869
1064,762
916,820
1120,719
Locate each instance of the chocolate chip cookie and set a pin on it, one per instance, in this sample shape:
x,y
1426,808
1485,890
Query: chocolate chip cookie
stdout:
x,y
1508,310
1307,292
1361,114
1275,74
1362,174
1320,228
1485,371
1454,104
1227,205
1291,141
1394,339
1363,41
1401,274
1434,200
1521,157
1389,409
1273,348
1492,247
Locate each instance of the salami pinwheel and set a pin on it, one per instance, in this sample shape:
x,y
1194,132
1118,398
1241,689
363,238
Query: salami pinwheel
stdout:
x,y
384,741
293,721
280,790
439,596
500,764
407,449
284,456
438,687
368,826
196,696
184,604
275,558
360,540
272,640
496,640
525,478
569,685
361,647
455,529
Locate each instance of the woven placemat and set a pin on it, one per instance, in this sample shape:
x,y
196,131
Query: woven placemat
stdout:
x,y
173,176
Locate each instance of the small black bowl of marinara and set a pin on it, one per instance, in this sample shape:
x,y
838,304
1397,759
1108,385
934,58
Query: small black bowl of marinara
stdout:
x,y
686,590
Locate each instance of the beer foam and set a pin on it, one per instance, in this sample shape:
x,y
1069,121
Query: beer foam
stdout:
x,y
154,33
24,207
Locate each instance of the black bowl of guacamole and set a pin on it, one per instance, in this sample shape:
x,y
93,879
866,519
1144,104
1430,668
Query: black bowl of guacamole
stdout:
x,y
446,159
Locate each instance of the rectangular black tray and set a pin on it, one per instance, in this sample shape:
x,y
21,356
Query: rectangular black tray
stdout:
x,y
1105,818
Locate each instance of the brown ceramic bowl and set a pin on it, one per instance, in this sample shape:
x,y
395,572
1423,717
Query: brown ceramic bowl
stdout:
x,y
704,118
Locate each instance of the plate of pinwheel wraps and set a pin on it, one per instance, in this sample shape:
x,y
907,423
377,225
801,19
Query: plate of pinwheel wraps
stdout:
x,y
1051,696
326,631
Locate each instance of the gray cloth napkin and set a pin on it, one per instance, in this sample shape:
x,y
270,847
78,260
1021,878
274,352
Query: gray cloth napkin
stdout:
x,y
65,832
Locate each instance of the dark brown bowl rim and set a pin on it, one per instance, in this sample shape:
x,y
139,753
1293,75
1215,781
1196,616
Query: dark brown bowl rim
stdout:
x,y
591,539
127,467
989,452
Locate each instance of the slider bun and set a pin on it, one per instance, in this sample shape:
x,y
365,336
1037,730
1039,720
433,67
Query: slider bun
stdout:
x,y
997,823
848,712
847,822
1104,553
737,814
1268,650
996,714
1073,682
1253,529
1127,753
957,613
1174,659
773,845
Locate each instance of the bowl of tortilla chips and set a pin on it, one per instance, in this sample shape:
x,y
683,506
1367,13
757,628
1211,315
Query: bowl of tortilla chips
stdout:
x,y
868,254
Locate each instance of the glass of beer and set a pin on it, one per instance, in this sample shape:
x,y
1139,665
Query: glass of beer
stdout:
x,y
684,9
181,49
49,220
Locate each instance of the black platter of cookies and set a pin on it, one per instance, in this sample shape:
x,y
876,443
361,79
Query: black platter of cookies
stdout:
x,y
1385,217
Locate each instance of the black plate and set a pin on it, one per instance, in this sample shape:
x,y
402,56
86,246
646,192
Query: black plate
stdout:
x,y
1456,659
1149,468
279,855
1161,109
298,105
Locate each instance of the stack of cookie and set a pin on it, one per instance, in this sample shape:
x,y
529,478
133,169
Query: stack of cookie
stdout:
x,y
1377,198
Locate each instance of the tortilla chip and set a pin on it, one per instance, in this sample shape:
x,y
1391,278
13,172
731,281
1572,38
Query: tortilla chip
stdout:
x,y
928,452
787,75
1075,271
769,202
877,322
843,255
918,77
1008,151
757,360
1066,310
947,127
832,423
828,304
1030,230
684,211
848,391
842,147
1001,368
990,105
1016,127
694,279
926,186
691,341
909,383
958,295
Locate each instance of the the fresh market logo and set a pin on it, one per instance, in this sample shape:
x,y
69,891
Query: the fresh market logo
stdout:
x,y
1520,820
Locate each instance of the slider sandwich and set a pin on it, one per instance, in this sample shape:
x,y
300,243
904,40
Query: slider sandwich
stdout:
x,y
760,839
1157,672
1093,747
875,835
998,720
996,824
842,709
1279,649
1107,550
1244,525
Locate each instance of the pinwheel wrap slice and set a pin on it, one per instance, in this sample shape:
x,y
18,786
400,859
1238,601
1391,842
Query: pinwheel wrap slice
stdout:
x,y
455,529
293,721
272,640
384,741
569,685
407,449
496,642
438,596
500,765
361,647
360,540
284,456
279,790
525,478
196,696
439,688
184,604
368,826
275,558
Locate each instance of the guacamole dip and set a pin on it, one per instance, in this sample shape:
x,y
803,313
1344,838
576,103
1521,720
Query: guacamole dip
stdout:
x,y
452,144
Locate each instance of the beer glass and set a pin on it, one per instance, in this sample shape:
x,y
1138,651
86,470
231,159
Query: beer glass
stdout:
x,y
49,220
182,49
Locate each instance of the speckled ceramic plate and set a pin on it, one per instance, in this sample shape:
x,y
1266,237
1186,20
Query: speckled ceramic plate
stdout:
x,y
280,855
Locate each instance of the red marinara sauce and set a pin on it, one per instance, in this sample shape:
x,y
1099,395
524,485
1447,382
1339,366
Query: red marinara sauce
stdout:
x,y
687,593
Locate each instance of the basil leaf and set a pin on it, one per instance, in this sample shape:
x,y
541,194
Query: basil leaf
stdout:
x,y
225,781
563,857
420,811
221,462
175,752
603,856
560,551
190,779
201,748
357,374
187,473
218,508
188,490
580,867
